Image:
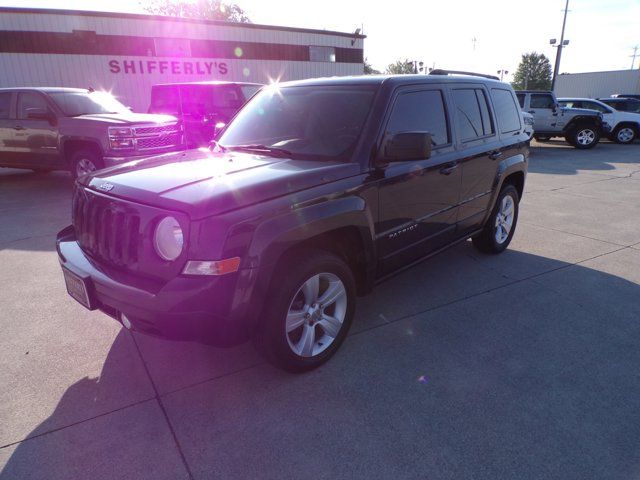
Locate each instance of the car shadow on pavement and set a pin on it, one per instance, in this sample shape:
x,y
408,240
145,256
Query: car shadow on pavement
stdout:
x,y
501,378
561,158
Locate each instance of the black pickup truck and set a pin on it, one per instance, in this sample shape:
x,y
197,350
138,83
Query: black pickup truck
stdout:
x,y
313,193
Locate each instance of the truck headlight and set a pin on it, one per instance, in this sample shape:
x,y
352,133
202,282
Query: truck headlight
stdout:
x,y
121,138
168,239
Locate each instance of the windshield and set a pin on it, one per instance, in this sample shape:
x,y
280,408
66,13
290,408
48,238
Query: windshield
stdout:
x,y
74,104
197,100
308,122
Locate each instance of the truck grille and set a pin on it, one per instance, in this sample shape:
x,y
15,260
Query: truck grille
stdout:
x,y
146,143
158,136
105,229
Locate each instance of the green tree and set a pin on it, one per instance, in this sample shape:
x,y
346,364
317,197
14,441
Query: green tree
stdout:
x,y
401,67
203,9
368,69
533,73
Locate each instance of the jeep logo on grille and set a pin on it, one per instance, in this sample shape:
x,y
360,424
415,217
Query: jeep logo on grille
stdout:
x,y
105,187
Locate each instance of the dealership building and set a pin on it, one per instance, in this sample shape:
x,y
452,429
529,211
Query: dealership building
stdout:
x,y
598,84
128,53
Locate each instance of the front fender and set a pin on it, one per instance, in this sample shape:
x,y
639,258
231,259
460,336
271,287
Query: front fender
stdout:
x,y
508,166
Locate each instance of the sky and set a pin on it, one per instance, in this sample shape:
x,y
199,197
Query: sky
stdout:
x,y
602,33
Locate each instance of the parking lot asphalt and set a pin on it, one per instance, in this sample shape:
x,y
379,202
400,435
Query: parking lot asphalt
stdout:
x,y
523,365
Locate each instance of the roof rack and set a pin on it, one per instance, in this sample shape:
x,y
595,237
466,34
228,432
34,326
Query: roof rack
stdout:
x,y
440,71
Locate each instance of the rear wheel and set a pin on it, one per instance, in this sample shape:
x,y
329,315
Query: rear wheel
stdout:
x,y
85,161
625,134
308,310
583,136
501,225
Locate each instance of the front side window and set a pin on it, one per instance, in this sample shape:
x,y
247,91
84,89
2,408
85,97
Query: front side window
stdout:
x,y
507,112
27,101
75,104
303,122
541,100
421,111
5,104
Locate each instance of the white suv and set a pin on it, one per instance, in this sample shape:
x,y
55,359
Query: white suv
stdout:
x,y
625,126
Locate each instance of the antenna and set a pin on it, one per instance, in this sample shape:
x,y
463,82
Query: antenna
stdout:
x,y
635,54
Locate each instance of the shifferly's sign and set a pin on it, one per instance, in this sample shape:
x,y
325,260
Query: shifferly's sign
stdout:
x,y
175,67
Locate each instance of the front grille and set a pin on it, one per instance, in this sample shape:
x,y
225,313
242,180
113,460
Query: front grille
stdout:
x,y
147,143
156,130
106,229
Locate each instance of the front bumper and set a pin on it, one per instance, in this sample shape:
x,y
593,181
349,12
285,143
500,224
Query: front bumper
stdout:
x,y
204,309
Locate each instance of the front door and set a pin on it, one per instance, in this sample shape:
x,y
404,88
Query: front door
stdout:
x,y
545,115
8,154
418,199
36,140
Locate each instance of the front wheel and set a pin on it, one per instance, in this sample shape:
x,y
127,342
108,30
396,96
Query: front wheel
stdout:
x,y
83,162
501,225
583,137
308,310
625,134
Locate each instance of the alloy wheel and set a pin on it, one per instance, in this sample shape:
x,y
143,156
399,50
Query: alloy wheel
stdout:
x,y
85,166
504,219
586,137
316,314
625,135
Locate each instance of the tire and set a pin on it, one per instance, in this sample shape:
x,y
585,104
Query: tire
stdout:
x,y
500,227
84,161
625,134
543,138
583,136
292,333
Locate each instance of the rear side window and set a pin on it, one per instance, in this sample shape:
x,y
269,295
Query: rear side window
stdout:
x,y
5,104
541,100
27,101
507,112
421,111
472,114
165,99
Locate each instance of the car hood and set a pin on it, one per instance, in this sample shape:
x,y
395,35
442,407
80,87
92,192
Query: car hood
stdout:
x,y
127,118
201,183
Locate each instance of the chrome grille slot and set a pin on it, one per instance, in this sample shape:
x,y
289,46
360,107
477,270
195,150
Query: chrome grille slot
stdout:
x,y
147,143
156,130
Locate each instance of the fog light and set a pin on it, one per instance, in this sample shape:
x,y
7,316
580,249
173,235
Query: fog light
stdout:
x,y
212,267
125,321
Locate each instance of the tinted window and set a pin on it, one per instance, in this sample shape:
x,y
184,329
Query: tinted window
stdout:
x,y
541,100
249,90
165,99
194,99
420,112
595,106
27,101
311,122
521,97
74,104
468,116
487,123
5,104
507,112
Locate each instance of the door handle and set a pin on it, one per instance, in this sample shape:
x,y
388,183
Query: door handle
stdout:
x,y
495,154
448,170
19,127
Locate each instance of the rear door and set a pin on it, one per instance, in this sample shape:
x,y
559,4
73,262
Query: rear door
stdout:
x,y
479,146
418,199
8,152
545,116
36,140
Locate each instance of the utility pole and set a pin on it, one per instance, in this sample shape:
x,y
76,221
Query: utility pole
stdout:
x,y
635,54
560,45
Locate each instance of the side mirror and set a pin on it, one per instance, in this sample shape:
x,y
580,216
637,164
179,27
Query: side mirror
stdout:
x,y
407,146
39,114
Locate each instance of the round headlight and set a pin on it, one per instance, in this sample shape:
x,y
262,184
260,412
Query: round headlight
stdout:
x,y
168,239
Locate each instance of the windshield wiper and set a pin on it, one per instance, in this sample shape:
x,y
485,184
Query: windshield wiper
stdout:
x,y
259,147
